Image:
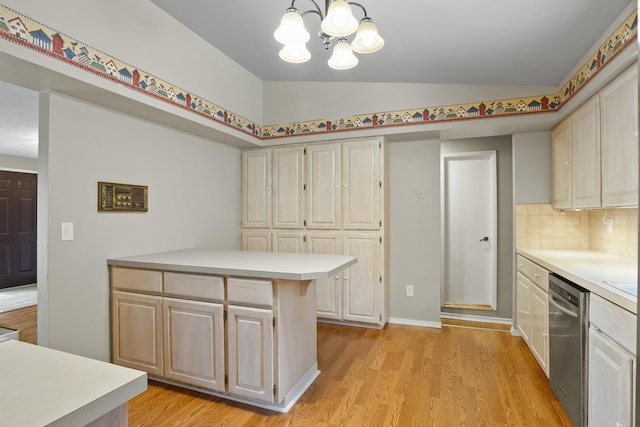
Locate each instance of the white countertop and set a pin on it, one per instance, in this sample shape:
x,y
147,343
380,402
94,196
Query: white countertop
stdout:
x,y
591,270
267,265
40,386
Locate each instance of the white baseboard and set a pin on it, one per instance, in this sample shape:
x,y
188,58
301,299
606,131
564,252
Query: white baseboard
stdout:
x,y
412,322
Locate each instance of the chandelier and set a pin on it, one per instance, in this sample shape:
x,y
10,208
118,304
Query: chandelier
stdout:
x,y
337,22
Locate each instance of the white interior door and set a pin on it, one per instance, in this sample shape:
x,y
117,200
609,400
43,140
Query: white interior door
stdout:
x,y
469,231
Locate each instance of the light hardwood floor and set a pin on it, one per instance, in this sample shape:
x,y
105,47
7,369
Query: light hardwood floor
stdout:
x,y
400,376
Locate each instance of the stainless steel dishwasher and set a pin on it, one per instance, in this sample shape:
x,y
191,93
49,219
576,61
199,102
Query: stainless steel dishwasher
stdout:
x,y
568,346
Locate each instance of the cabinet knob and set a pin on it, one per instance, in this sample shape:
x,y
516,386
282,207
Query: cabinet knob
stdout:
x,y
536,275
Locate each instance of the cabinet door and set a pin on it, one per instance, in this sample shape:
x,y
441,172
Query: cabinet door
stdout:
x,y
539,339
250,353
619,110
361,182
523,318
292,241
328,291
561,164
610,383
137,331
585,147
256,188
363,281
194,343
323,186
255,240
288,187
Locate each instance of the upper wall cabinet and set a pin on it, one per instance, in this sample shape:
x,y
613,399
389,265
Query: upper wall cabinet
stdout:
x,y
323,179
619,130
273,188
361,185
595,149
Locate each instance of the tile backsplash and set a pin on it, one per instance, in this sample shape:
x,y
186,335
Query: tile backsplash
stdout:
x,y
539,226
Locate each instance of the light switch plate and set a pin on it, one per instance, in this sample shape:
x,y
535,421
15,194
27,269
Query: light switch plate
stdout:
x,y
66,231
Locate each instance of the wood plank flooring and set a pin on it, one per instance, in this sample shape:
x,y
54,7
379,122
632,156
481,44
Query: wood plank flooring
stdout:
x,y
399,376
24,319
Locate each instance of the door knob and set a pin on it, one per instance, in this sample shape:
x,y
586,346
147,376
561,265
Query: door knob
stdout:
x,y
484,239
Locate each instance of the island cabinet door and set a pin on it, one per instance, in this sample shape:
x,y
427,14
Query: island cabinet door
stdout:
x,y
137,331
250,353
194,342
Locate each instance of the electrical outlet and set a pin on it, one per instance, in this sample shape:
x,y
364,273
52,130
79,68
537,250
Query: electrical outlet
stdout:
x,y
409,290
609,223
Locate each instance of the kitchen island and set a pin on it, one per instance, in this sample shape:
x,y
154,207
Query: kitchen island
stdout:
x,y
45,387
236,324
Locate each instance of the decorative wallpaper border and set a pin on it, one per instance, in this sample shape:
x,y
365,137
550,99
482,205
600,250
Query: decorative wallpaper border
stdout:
x,y
31,34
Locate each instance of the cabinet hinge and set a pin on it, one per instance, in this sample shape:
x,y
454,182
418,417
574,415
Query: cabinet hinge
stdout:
x,y
380,184
274,389
304,222
304,186
380,279
274,322
304,238
380,317
380,223
380,239
304,151
224,315
380,145
226,379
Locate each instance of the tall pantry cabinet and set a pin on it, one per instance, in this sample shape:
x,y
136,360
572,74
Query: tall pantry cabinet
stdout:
x,y
324,198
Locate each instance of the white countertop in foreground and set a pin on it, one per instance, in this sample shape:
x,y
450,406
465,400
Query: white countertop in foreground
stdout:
x,y
591,270
267,265
42,387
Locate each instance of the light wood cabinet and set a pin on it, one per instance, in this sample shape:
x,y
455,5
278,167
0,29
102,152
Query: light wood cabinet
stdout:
x,y
595,149
532,302
361,185
328,291
251,352
344,188
256,188
619,135
611,372
137,331
363,281
288,187
194,342
585,152
612,364
172,325
323,186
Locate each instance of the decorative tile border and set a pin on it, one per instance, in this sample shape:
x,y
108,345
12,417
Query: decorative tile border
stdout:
x,y
31,34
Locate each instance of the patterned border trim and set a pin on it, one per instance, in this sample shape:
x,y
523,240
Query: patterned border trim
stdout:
x,y
31,34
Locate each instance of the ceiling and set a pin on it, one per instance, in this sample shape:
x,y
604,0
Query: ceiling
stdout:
x,y
534,43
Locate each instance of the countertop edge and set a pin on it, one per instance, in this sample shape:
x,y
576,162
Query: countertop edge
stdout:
x,y
620,298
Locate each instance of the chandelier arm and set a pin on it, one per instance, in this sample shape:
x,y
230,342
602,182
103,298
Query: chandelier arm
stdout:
x,y
318,11
352,3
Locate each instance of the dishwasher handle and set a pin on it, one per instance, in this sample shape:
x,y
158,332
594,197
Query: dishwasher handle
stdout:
x,y
555,302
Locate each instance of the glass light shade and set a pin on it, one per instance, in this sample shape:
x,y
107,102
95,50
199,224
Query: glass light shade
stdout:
x,y
367,38
343,57
339,21
295,53
291,29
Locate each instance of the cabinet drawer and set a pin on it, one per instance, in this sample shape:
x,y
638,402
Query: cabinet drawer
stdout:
x,y
537,274
249,291
194,286
135,279
615,322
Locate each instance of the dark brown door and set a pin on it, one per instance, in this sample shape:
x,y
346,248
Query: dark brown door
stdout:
x,y
18,203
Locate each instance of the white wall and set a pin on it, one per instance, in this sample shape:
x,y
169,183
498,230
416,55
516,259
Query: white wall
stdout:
x,y
532,172
194,199
414,231
18,164
141,34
